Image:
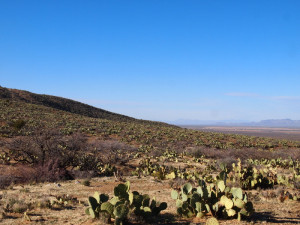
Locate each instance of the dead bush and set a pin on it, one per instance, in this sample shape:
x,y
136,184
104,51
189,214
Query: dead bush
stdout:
x,y
5,181
17,174
78,174
51,171
36,149
199,152
112,151
243,154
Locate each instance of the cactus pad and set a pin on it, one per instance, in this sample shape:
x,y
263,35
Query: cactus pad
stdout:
x,y
221,185
108,207
187,188
212,221
174,194
121,211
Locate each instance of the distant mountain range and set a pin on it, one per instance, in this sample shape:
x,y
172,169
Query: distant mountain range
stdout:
x,y
277,123
262,123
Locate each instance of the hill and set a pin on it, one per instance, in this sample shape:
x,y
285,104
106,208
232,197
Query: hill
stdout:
x,y
64,104
23,114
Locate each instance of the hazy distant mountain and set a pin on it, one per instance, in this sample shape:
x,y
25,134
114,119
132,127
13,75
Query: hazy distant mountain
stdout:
x,y
207,122
278,123
262,123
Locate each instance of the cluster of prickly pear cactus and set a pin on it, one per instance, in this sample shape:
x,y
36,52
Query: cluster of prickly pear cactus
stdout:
x,y
275,163
250,178
123,203
162,172
106,170
217,199
147,168
145,207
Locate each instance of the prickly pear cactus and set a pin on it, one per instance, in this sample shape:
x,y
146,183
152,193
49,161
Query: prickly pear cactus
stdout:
x,y
123,203
217,199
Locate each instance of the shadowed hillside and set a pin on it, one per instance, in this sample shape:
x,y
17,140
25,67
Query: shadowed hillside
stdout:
x,y
65,104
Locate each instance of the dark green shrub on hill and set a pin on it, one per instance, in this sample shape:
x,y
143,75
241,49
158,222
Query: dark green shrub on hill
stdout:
x,y
18,124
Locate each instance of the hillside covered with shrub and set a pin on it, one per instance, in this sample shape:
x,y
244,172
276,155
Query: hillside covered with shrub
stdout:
x,y
52,139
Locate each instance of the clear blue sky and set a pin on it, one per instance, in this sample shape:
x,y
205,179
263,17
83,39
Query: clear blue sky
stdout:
x,y
158,59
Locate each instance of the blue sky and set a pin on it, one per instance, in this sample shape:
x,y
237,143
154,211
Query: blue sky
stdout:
x,y
158,60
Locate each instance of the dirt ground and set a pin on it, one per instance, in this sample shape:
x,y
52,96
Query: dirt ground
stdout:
x,y
268,210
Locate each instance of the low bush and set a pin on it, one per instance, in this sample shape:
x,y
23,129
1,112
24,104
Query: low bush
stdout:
x,y
5,181
18,124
